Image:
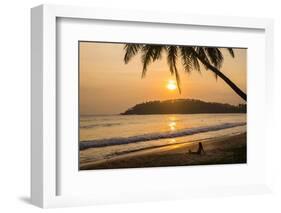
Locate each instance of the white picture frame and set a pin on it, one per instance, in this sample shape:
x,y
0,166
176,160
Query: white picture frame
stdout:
x,y
44,150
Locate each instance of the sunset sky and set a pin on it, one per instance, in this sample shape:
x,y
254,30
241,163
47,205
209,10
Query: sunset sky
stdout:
x,y
109,86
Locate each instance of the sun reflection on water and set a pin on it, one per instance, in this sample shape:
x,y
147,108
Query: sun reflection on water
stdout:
x,y
172,125
173,140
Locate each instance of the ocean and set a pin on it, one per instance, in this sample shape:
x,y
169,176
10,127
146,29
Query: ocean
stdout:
x,y
108,136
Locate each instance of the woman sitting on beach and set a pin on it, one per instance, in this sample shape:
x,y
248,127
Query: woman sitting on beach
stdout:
x,y
199,151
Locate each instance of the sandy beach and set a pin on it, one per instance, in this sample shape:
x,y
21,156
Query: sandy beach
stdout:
x,y
223,150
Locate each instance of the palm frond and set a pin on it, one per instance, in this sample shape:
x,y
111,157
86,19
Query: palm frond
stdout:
x,y
215,56
202,53
150,53
194,59
172,52
186,58
157,50
231,52
172,57
130,51
196,64
147,56
178,79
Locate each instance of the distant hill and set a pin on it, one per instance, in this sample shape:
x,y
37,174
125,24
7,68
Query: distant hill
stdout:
x,y
183,106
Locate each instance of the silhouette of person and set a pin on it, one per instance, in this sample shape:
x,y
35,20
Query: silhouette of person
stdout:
x,y
200,149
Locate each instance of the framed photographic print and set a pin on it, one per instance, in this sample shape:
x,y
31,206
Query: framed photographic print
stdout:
x,y
126,122
149,106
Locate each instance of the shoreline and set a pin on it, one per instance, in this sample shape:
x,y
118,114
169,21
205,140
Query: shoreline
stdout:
x,y
224,150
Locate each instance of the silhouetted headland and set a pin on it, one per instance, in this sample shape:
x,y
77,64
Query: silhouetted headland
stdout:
x,y
183,106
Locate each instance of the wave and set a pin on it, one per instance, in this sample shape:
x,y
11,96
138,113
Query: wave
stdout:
x,y
88,126
155,136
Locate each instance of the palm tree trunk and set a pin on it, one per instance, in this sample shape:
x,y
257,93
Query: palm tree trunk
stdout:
x,y
223,77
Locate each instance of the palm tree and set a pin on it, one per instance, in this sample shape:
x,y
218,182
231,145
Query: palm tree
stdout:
x,y
211,58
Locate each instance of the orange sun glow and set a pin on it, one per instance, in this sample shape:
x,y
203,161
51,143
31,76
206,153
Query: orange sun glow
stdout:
x,y
171,85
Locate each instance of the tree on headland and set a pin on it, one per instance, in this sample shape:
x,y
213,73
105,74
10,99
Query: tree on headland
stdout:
x,y
211,58
183,106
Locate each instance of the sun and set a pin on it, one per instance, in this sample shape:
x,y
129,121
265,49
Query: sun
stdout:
x,y
171,85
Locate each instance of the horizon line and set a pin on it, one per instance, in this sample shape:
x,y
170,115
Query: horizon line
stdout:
x,y
111,114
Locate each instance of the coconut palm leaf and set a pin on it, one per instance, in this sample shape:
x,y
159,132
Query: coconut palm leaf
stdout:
x,y
147,57
172,57
211,58
215,56
172,54
231,52
130,51
186,56
150,53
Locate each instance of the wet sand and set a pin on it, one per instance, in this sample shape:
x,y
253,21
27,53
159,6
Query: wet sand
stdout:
x,y
224,150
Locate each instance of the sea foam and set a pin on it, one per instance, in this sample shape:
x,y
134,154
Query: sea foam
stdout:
x,y
155,136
